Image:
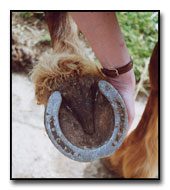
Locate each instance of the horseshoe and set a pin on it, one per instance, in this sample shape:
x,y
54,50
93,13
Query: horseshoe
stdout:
x,y
52,125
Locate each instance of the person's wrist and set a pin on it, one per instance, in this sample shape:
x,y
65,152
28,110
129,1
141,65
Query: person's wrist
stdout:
x,y
127,80
119,61
115,71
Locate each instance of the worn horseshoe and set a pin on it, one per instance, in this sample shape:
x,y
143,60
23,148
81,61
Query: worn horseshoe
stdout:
x,y
55,134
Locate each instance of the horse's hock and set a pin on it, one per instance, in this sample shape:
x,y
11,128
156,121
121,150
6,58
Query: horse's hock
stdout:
x,y
86,118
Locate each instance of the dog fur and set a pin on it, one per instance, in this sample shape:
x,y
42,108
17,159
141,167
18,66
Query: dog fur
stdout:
x,y
138,155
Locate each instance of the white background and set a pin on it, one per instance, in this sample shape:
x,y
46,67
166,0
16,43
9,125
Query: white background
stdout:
x,y
5,7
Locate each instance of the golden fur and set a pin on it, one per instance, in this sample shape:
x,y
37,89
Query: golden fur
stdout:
x,y
138,155
54,69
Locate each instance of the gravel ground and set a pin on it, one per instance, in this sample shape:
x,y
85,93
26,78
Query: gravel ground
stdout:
x,y
33,154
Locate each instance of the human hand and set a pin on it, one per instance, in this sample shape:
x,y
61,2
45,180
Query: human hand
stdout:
x,y
125,84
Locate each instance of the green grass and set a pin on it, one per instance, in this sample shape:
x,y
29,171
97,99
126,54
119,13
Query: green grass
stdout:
x,y
141,34
26,15
30,15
